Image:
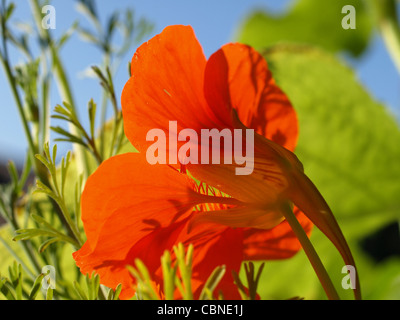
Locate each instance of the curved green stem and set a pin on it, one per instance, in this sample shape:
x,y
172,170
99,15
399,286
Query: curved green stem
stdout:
x,y
388,24
312,255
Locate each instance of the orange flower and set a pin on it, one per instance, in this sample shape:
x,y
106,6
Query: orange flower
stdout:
x,y
131,209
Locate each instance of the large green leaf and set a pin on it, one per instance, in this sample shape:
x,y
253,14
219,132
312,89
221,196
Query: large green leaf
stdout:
x,y
350,147
310,21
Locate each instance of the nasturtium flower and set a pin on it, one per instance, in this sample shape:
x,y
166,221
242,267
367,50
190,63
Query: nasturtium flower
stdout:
x,y
132,209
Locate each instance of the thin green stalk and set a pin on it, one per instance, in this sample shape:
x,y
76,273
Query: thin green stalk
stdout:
x,y
312,255
62,84
73,227
388,24
24,120
45,116
103,115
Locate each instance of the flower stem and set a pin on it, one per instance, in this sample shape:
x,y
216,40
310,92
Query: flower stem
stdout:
x,y
387,20
312,255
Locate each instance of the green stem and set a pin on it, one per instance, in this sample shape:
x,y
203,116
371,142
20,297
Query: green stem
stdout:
x,y
45,116
312,255
103,115
388,23
62,83
24,120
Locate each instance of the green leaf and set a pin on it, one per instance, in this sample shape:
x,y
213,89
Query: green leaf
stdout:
x,y
6,289
46,243
25,234
67,35
144,281
312,22
93,285
87,9
36,287
169,273
80,291
88,36
49,294
65,133
9,11
117,292
184,262
349,145
13,174
92,116
252,280
16,278
212,282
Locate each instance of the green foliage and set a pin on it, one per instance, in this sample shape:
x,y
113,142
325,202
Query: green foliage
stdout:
x,y
130,30
84,139
252,280
13,287
177,278
310,22
56,193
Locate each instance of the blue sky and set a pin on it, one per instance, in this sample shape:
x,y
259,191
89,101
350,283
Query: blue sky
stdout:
x,y
215,23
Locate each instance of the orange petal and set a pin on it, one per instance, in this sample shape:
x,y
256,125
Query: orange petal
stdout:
x,y
127,203
166,85
214,245
216,87
263,187
238,77
276,243
240,217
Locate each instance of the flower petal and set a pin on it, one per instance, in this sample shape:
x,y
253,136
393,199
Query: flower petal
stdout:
x,y
214,245
238,77
279,242
241,217
125,203
166,85
263,187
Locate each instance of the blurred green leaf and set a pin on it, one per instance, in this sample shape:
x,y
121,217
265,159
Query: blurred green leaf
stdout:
x,y
349,145
49,294
80,291
212,282
36,287
312,22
